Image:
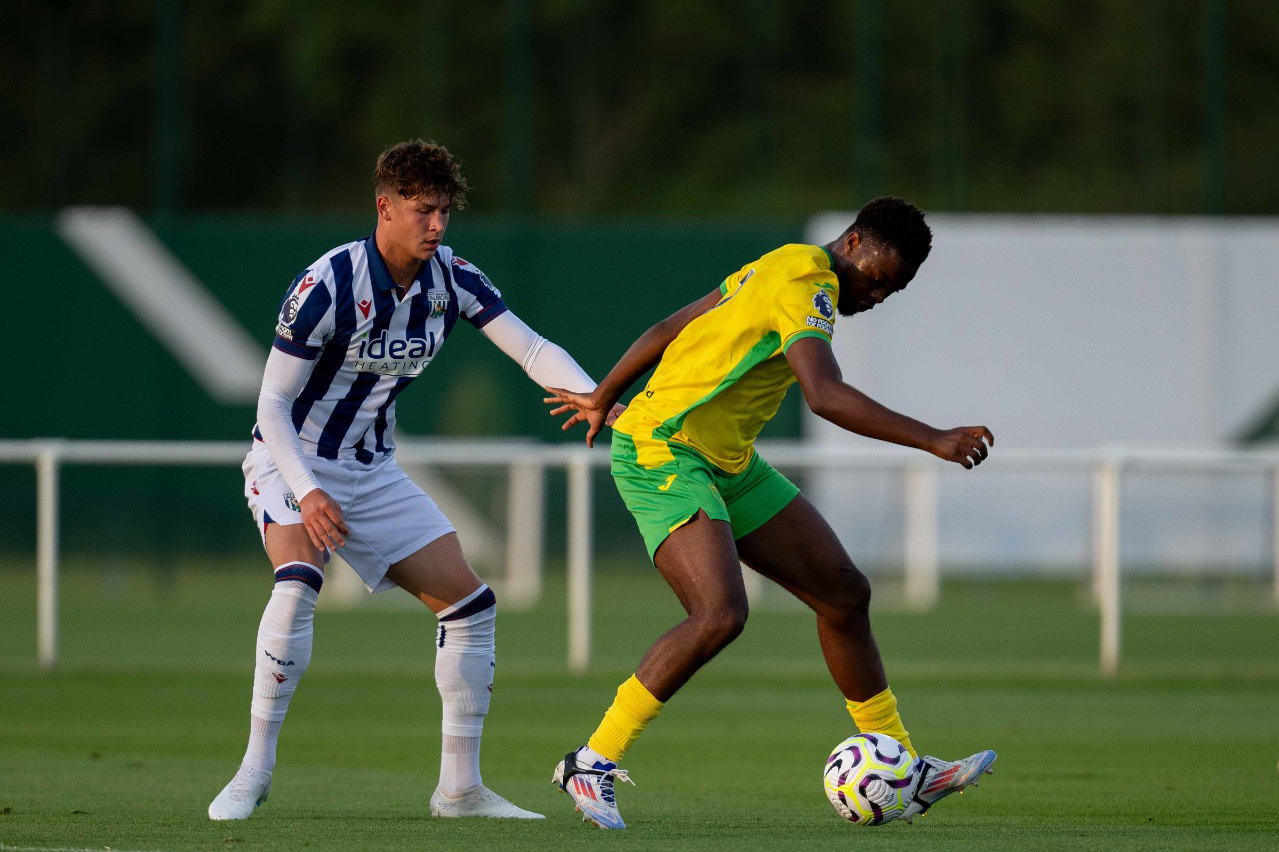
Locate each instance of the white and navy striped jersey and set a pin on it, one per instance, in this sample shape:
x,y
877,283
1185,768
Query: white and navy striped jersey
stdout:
x,y
345,313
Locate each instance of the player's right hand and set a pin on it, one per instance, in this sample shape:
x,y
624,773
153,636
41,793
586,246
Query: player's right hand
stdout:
x,y
585,407
966,445
322,517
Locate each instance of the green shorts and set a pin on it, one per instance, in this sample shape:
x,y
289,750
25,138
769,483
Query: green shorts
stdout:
x,y
664,498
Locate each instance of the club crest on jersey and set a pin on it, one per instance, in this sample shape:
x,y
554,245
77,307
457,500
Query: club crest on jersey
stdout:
x,y
291,501
439,303
823,304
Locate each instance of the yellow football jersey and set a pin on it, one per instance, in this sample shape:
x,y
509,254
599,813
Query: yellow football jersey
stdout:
x,y
723,377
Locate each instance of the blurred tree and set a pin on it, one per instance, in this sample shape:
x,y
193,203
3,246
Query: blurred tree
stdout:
x,y
666,108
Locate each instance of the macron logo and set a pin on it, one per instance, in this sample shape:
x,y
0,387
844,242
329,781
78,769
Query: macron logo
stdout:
x,y
364,306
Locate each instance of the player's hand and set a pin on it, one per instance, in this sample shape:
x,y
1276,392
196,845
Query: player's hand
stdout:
x,y
966,445
614,414
586,409
322,517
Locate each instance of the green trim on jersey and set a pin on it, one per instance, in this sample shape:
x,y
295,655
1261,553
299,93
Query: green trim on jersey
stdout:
x,y
799,335
757,354
725,374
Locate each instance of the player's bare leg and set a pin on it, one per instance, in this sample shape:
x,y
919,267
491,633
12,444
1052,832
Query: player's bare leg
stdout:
x,y
465,656
798,550
281,658
700,564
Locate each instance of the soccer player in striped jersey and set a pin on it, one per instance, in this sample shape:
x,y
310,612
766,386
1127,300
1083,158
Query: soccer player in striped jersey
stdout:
x,y
684,461
354,330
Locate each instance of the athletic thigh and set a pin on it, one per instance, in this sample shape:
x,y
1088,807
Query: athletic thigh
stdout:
x,y
699,562
797,549
438,574
391,519
276,510
662,499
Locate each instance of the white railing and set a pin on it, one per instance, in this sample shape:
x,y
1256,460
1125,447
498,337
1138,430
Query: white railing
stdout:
x,y
526,464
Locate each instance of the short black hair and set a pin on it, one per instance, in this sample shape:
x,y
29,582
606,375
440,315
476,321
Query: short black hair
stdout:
x,y
418,167
893,222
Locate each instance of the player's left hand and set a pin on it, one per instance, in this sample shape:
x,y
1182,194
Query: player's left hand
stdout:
x,y
586,409
966,445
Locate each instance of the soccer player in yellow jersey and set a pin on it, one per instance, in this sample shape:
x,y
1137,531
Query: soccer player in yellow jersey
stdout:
x,y
684,461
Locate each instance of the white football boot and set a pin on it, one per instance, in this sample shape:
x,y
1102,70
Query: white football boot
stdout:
x,y
591,788
238,800
939,778
477,802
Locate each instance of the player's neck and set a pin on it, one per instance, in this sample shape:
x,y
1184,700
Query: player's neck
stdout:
x,y
402,265
839,260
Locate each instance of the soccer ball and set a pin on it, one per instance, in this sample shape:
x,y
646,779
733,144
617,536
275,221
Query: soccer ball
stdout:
x,y
869,779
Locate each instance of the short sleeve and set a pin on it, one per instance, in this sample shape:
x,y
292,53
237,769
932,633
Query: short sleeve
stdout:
x,y
805,309
305,323
479,301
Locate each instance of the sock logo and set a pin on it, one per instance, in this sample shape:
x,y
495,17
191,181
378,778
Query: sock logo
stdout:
x,y
439,636
279,678
276,659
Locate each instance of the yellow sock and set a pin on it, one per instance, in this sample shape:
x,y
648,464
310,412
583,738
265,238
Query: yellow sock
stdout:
x,y
631,712
878,715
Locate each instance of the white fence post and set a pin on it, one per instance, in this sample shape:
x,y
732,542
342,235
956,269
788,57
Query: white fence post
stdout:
x,y
579,562
47,465
923,577
50,456
1274,530
525,497
1106,581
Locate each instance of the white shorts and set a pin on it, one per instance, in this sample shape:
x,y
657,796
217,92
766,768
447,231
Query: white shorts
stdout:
x,y
389,516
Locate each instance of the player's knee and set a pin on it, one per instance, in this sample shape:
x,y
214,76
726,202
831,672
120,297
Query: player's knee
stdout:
x,y
719,626
850,599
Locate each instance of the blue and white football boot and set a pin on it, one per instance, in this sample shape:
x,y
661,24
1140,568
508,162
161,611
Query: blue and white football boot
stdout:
x,y
591,788
939,778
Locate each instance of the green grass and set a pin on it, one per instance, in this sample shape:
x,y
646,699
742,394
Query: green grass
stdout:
x,y
127,742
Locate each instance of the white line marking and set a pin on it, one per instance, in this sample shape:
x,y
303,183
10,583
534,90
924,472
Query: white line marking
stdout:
x,y
167,299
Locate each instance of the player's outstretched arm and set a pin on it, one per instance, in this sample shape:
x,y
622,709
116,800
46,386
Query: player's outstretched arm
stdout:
x,y
593,408
831,398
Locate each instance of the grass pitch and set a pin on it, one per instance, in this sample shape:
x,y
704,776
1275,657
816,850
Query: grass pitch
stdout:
x,y
127,743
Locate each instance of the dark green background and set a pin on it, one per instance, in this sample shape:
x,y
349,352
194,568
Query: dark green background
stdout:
x,y
86,368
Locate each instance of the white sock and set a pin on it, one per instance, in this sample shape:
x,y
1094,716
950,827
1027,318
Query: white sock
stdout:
x,y
465,655
591,757
283,654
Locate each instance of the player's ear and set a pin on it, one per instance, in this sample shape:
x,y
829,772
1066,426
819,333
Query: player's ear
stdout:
x,y
384,208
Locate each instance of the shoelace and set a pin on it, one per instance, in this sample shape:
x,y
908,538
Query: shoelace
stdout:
x,y
244,786
606,783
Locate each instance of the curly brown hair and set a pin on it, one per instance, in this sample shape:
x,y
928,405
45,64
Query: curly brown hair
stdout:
x,y
418,167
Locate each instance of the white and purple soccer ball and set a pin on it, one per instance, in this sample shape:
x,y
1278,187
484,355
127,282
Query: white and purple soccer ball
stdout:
x,y
869,779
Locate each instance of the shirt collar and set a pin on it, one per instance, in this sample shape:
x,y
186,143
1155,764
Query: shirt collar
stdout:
x,y
377,266
382,276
